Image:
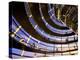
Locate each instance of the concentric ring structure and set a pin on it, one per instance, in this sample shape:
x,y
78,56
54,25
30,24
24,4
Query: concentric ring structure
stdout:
x,y
35,30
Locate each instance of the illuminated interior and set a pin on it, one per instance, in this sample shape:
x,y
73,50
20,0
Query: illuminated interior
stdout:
x,y
42,30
